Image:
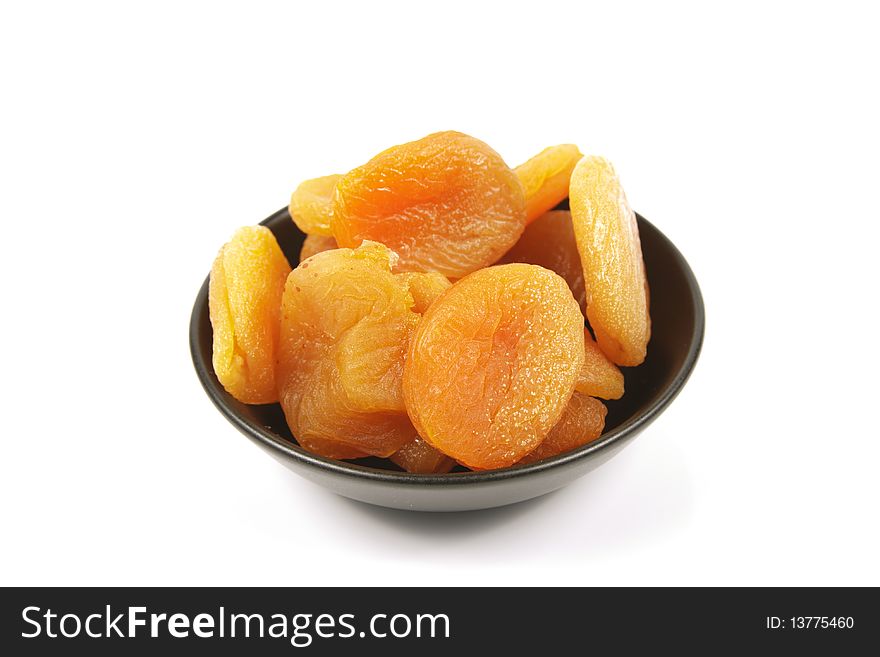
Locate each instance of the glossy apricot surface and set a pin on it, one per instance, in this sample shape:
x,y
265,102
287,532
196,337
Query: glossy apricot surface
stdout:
x,y
313,244
549,241
599,377
607,237
492,364
545,178
311,205
581,423
244,300
345,324
445,203
419,457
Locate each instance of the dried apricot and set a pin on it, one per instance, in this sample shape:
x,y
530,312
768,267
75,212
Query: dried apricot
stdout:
x,y
244,302
345,324
492,364
582,422
313,244
607,236
418,456
549,242
425,288
324,421
545,178
445,203
311,205
332,449
599,377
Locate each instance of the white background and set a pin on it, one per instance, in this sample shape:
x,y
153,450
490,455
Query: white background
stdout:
x,y
135,139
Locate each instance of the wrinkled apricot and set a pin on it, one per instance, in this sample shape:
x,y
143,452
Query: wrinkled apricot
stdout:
x,y
607,236
445,203
324,421
311,205
425,288
582,422
492,364
313,244
332,449
545,178
244,302
345,324
418,456
549,242
599,377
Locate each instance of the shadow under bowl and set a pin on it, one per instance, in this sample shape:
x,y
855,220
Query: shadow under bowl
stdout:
x,y
677,321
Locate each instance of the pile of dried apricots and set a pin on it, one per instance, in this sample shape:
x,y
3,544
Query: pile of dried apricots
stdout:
x,y
437,315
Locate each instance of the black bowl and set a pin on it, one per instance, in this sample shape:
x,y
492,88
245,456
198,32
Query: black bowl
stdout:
x,y
677,334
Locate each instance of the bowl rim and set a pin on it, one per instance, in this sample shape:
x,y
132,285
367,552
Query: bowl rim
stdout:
x,y
273,441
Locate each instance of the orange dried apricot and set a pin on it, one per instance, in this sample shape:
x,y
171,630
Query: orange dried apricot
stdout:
x,y
244,302
549,242
332,449
599,377
311,205
313,244
607,236
418,456
324,421
425,288
445,203
545,178
345,324
492,364
582,422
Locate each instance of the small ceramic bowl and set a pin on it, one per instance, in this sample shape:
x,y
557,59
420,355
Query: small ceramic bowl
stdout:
x,y
677,318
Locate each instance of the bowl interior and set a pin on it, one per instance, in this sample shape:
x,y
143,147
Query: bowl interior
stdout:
x,y
677,329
